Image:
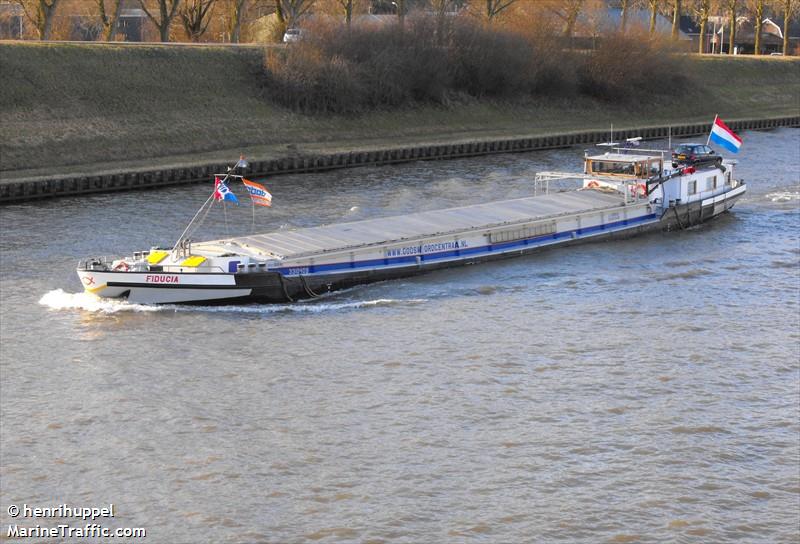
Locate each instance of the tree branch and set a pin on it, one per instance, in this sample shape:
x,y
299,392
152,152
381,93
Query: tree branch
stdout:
x,y
174,8
149,15
499,6
22,4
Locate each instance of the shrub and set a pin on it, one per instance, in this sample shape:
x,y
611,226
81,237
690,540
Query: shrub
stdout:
x,y
490,63
630,67
342,70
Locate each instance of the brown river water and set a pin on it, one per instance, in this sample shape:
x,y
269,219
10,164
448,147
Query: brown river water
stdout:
x,y
643,390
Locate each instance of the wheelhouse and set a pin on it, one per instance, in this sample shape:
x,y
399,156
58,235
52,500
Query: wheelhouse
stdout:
x,y
624,166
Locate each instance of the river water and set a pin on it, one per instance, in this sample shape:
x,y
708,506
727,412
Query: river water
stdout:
x,y
644,390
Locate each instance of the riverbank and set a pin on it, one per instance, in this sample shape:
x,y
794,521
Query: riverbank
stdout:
x,y
72,111
296,162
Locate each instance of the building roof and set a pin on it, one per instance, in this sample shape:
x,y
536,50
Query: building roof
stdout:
x,y
772,25
610,18
9,8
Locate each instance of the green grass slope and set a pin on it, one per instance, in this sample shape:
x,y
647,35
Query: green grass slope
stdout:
x,y
83,108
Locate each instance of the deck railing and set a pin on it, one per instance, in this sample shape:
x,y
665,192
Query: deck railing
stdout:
x,y
632,190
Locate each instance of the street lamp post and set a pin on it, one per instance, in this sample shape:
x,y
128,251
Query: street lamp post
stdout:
x,y
714,39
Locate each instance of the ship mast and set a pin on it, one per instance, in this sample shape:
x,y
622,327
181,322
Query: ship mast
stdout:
x,y
181,244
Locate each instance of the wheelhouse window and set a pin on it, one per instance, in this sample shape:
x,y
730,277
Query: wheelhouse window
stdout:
x,y
711,183
613,167
692,187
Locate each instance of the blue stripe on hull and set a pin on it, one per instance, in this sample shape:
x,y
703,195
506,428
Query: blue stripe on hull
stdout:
x,y
481,250
727,144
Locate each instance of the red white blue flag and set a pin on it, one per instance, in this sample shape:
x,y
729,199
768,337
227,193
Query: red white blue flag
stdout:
x,y
724,136
258,193
222,192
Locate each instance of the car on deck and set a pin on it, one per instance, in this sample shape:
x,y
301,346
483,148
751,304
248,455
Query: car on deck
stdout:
x,y
694,154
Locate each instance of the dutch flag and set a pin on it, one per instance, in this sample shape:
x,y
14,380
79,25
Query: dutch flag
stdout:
x,y
725,137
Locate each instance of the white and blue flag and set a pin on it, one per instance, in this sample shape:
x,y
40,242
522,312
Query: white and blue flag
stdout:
x,y
223,192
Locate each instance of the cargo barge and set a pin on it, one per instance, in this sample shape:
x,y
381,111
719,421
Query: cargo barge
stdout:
x,y
620,192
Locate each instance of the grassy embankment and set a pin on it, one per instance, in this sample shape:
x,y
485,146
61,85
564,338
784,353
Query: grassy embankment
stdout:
x,y
83,109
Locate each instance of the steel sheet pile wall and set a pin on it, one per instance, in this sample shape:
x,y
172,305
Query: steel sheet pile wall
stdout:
x,y
11,191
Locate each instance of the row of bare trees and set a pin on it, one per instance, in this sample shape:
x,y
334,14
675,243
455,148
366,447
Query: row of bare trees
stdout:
x,y
194,16
699,10
733,10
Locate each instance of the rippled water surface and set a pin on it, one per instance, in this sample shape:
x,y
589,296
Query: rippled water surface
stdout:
x,y
644,390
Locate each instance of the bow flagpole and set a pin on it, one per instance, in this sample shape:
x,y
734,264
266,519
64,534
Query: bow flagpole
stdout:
x,y
241,163
180,238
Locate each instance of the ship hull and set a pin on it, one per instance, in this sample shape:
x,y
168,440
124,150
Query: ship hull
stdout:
x,y
277,286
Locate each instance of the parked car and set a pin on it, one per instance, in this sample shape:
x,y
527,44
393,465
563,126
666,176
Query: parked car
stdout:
x,y
293,35
694,154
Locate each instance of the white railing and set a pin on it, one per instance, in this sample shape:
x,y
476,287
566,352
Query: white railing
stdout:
x,y
560,181
176,268
103,260
632,190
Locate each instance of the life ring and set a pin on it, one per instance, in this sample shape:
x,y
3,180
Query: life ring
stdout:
x,y
638,189
592,184
123,266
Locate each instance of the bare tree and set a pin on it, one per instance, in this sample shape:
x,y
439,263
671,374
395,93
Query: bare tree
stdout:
x,y
401,13
654,5
573,10
347,7
732,7
281,17
625,6
568,11
108,19
495,7
40,13
758,16
702,10
293,10
195,17
440,8
166,13
790,8
676,19
235,10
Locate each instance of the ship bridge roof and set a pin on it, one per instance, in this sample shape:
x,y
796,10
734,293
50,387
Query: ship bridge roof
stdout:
x,y
621,157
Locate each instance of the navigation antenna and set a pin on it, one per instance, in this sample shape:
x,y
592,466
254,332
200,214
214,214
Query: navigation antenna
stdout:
x,y
611,142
